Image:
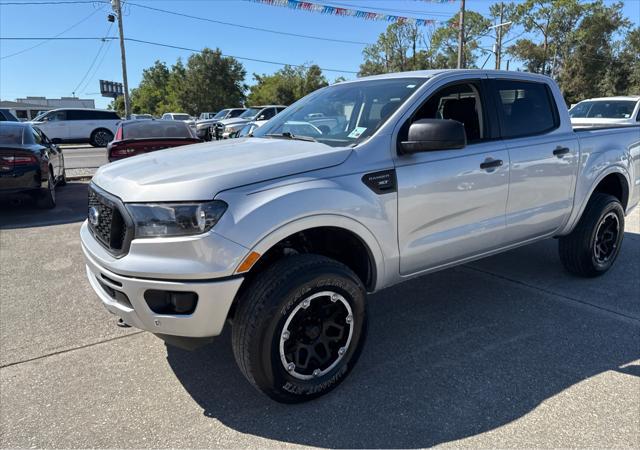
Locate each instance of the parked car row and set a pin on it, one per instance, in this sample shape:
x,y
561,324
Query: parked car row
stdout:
x,y
231,126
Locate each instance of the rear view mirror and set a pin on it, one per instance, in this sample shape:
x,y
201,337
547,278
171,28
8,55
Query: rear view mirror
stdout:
x,y
427,135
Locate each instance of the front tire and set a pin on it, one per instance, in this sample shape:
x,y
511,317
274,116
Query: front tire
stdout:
x,y
100,137
593,246
299,327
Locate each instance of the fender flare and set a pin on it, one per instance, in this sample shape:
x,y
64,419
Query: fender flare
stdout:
x,y
577,214
328,220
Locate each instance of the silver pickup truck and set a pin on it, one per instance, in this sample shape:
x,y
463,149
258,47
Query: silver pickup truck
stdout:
x,y
354,188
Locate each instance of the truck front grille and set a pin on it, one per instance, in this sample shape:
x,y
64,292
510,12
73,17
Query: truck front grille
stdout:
x,y
108,222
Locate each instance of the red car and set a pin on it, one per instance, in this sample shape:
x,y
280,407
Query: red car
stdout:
x,y
135,137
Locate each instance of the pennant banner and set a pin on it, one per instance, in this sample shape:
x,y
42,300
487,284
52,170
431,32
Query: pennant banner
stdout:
x,y
347,12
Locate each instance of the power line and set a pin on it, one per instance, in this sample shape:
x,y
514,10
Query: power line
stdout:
x,y
237,57
104,54
58,2
177,47
247,27
54,37
94,59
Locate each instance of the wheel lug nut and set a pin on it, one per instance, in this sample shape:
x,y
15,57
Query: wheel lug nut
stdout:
x,y
349,318
305,304
316,373
334,298
285,335
290,367
341,350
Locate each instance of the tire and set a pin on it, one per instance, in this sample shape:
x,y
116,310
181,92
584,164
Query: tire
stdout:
x,y
62,181
593,246
47,197
100,137
301,302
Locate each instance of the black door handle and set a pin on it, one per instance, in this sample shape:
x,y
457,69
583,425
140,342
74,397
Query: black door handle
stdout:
x,y
490,164
561,151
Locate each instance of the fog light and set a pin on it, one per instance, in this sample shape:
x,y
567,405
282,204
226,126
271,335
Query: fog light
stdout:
x,y
171,302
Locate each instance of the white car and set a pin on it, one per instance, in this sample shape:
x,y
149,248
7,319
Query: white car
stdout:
x,y
182,117
606,111
77,125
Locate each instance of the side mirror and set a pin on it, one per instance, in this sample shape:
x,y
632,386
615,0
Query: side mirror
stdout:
x,y
260,117
427,135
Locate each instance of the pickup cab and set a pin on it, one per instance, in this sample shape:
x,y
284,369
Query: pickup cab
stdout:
x,y
352,189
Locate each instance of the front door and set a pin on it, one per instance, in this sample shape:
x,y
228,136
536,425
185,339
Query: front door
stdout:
x,y
451,203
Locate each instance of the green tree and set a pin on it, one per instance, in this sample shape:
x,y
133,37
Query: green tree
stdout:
x,y
592,66
209,82
551,22
286,85
445,40
396,50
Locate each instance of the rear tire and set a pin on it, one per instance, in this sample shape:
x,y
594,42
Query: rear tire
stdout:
x,y
100,137
47,197
593,246
63,178
299,327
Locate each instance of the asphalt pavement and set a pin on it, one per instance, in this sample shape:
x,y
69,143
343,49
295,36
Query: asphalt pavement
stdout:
x,y
83,156
510,351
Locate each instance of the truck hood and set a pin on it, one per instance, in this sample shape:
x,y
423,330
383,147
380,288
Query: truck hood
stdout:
x,y
200,171
233,121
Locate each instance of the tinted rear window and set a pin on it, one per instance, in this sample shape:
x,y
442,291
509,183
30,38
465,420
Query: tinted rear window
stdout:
x,y
156,129
11,135
526,108
181,117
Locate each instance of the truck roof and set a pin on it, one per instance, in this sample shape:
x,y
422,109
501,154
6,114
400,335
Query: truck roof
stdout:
x,y
434,72
619,97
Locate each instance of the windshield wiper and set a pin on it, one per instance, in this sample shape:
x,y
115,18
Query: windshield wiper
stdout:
x,y
290,135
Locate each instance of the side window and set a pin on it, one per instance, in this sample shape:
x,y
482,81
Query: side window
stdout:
x,y
526,108
279,110
459,102
73,114
36,136
106,115
268,113
56,116
638,113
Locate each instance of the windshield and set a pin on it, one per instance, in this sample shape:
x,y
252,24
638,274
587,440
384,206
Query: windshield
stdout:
x,y
156,129
249,113
603,109
221,114
39,117
342,114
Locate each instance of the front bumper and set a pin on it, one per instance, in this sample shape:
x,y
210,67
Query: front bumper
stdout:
x,y
167,265
214,301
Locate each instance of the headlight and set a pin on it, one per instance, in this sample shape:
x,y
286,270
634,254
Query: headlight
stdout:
x,y
175,219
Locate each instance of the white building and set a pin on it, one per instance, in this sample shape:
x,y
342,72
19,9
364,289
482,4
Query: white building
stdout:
x,y
29,107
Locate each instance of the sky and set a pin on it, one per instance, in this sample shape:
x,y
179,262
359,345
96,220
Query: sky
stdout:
x,y
60,68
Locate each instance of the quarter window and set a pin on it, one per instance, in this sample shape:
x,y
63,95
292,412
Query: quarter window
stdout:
x,y
526,108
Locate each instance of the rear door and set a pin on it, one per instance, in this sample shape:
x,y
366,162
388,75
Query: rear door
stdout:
x,y
80,124
543,155
451,203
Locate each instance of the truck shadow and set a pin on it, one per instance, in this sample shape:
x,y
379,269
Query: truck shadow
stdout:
x,y
21,211
448,356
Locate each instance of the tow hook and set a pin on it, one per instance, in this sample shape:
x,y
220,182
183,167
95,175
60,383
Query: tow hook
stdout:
x,y
122,324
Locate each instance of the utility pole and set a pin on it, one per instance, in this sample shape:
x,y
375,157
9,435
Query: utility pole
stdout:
x,y
461,37
499,39
117,7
